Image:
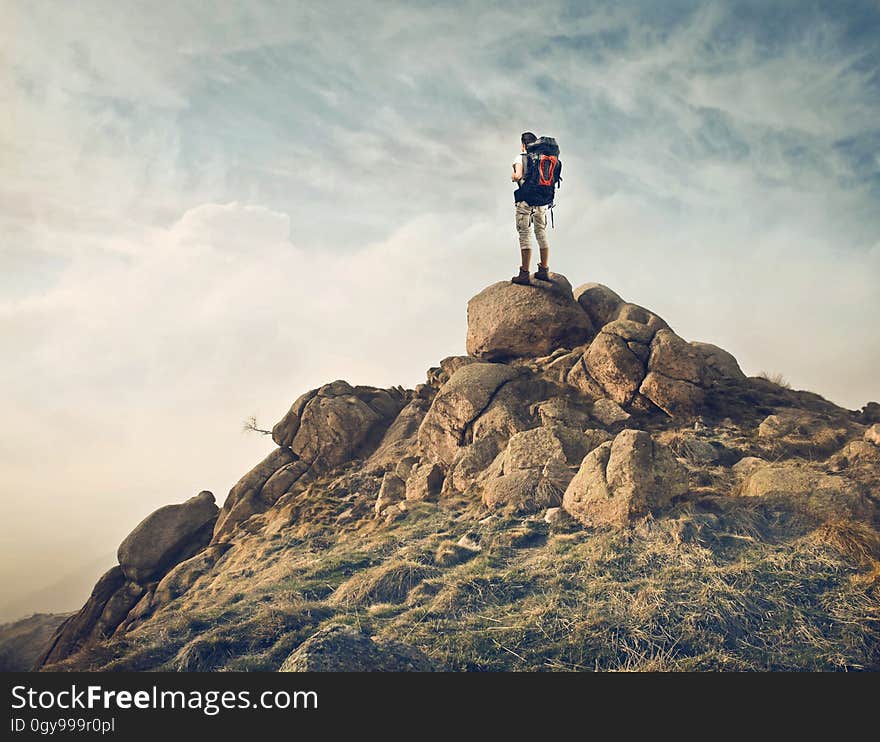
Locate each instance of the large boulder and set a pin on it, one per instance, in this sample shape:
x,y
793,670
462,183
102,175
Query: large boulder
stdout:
x,y
469,463
676,372
563,411
676,397
392,491
455,407
675,358
635,313
718,364
506,320
341,648
325,428
166,536
613,359
623,479
608,412
822,496
509,410
599,302
282,480
425,482
640,363
604,306
116,609
524,490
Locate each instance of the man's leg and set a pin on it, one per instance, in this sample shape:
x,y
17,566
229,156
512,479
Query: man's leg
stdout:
x,y
539,218
525,238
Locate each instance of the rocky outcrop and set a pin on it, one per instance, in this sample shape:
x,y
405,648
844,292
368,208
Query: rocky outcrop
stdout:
x,y
392,491
245,498
341,648
571,410
470,462
324,428
640,363
337,422
400,440
603,306
535,468
624,479
805,433
506,320
870,413
165,536
608,412
599,302
81,628
424,482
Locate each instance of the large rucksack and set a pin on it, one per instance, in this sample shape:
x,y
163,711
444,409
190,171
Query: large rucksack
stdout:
x,y
543,173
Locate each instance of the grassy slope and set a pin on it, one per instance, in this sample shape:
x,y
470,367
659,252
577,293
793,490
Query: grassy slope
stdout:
x,y
721,583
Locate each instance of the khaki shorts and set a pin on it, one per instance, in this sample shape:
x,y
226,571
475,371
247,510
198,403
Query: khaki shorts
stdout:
x,y
528,217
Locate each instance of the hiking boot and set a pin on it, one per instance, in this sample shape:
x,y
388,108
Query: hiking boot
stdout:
x,y
542,273
522,279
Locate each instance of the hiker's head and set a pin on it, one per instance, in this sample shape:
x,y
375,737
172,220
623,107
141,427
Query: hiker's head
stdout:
x,y
527,138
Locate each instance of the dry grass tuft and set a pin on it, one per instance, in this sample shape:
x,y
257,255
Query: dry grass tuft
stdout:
x,y
856,541
777,379
390,582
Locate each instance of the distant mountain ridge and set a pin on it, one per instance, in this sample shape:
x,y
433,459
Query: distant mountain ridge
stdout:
x,y
22,641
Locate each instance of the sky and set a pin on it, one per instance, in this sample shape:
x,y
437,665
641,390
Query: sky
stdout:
x,y
207,209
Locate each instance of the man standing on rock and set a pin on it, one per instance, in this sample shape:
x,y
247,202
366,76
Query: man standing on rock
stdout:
x,y
537,172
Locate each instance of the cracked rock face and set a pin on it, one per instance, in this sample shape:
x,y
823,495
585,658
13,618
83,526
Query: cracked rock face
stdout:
x,y
506,320
611,362
324,428
532,472
245,498
333,424
457,405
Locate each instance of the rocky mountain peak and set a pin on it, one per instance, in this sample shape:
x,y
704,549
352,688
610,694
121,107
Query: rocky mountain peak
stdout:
x,y
575,413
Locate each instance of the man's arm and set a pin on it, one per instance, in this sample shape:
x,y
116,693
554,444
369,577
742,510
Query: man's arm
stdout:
x,y
517,171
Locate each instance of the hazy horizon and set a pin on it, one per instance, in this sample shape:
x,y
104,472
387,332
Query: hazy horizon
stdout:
x,y
207,212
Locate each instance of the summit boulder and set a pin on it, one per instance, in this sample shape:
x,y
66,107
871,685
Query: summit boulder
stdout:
x,y
506,320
